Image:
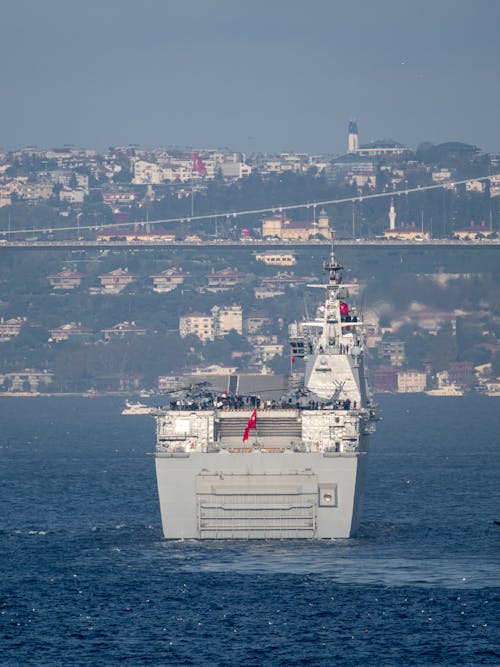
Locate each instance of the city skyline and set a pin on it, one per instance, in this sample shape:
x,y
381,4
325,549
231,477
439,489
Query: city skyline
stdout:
x,y
254,78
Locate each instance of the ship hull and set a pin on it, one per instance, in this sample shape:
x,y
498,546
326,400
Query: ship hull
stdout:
x,y
254,495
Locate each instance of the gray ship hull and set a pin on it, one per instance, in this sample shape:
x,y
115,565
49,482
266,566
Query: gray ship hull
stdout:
x,y
257,495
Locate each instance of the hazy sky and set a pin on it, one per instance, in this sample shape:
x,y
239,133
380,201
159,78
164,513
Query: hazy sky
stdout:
x,y
263,75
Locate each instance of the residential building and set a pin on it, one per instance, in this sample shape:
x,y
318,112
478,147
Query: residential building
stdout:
x,y
118,196
384,379
73,330
276,258
168,280
261,339
11,328
267,292
235,170
148,173
224,280
494,186
284,279
123,330
36,190
461,373
255,322
475,186
72,195
5,197
267,351
199,324
354,169
27,380
393,351
226,319
65,279
69,178
115,281
219,323
411,381
441,175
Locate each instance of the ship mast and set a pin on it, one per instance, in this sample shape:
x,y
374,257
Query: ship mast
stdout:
x,y
333,267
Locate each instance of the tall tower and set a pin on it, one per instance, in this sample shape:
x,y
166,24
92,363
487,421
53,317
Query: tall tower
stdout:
x,y
392,216
352,137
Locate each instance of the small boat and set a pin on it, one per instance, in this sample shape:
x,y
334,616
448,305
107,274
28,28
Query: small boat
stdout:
x,y
136,408
447,390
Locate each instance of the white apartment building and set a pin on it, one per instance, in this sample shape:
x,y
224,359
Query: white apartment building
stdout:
x,y
147,173
72,195
411,381
199,324
227,318
235,169
219,323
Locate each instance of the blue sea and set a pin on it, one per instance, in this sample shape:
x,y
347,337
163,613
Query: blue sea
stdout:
x,y
86,578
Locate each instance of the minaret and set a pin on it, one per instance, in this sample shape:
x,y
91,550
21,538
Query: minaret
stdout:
x,y
352,137
392,216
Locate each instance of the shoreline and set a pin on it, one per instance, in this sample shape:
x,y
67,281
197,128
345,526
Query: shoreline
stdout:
x,y
70,394
137,395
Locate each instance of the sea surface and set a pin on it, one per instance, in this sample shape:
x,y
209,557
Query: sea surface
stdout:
x,y
86,578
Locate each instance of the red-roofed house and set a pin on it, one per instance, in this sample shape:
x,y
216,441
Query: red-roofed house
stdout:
x,y
224,280
70,330
11,328
116,281
168,280
65,279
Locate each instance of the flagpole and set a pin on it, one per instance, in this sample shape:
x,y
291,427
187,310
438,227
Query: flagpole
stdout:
x,y
192,195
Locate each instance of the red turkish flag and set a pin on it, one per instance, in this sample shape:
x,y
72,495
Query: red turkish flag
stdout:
x,y
252,423
198,165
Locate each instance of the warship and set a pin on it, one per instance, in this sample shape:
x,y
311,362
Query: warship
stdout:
x,y
279,459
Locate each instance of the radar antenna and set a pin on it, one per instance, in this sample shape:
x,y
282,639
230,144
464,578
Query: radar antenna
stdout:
x,y
332,265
